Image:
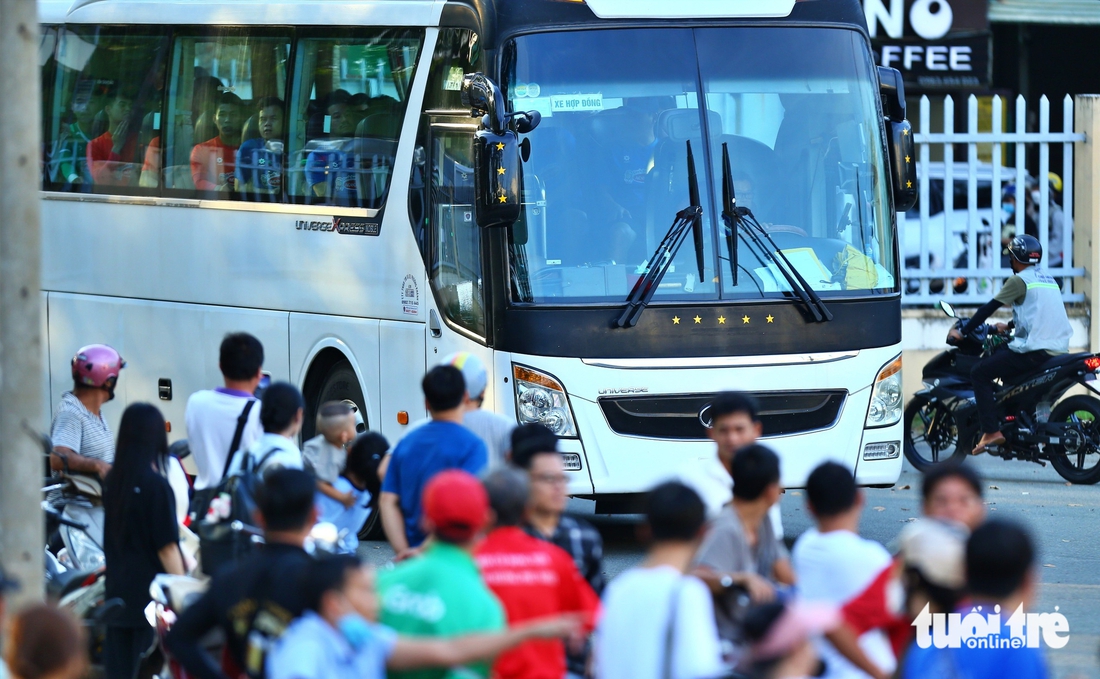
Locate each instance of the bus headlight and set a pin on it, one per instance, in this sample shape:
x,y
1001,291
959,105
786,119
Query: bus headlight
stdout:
x,y
541,399
886,401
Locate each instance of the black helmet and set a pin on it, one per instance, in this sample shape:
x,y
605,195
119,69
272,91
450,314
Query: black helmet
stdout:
x,y
1026,249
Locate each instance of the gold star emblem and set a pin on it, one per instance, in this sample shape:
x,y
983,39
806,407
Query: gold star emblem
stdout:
x,y
905,133
697,320
745,320
676,320
500,170
500,146
504,199
721,320
908,185
770,318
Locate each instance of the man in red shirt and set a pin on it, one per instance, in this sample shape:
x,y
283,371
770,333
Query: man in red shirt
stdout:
x,y
532,578
213,163
111,155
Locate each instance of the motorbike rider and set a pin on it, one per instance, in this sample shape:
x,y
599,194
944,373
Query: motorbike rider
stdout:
x,y
1042,331
80,433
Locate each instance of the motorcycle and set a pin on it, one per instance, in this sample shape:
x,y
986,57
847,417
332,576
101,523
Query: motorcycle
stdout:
x,y
941,421
171,594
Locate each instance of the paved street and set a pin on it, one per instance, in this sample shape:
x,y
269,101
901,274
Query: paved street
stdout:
x,y
1063,520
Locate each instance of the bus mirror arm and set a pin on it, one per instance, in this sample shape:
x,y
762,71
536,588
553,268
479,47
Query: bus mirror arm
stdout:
x,y
485,99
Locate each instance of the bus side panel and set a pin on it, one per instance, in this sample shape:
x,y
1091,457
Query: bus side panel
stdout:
x,y
356,339
401,365
159,340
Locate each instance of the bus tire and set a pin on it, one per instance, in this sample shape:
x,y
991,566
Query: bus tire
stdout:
x,y
340,383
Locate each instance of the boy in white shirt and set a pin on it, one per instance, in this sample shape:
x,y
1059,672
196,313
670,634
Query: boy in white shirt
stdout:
x,y
213,415
281,417
834,564
658,622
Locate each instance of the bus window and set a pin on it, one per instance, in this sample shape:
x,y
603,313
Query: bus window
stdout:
x,y
105,111
225,111
47,50
346,113
455,265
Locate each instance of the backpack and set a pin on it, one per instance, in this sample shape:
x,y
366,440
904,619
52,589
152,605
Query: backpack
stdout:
x,y
223,539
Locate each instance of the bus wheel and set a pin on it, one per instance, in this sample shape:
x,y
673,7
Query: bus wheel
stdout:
x,y
341,383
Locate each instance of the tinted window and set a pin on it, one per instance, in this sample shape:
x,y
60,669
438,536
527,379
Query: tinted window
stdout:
x,y
226,99
105,107
345,116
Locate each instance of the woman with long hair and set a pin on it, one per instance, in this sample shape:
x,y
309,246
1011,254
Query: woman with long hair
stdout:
x,y
141,537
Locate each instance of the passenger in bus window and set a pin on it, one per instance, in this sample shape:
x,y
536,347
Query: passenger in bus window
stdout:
x,y
330,169
260,159
68,157
110,155
213,162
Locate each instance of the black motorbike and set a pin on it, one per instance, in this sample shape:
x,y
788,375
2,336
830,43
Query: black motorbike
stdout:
x,y
941,421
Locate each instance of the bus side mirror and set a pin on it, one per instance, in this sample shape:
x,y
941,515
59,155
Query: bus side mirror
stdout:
x,y
496,177
497,151
900,138
902,165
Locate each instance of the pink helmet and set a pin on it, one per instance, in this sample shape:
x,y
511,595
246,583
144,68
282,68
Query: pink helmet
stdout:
x,y
97,365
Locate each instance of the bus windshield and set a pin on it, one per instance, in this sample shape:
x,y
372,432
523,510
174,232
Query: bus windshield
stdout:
x,y
607,171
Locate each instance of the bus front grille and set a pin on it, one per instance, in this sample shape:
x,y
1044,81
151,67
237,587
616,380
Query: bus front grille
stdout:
x,y
682,417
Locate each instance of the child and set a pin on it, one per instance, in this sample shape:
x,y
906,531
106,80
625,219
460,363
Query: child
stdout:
x,y
361,481
324,455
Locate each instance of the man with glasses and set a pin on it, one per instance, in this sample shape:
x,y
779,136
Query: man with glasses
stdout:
x,y
535,450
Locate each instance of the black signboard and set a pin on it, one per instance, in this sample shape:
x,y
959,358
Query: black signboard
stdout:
x,y
936,44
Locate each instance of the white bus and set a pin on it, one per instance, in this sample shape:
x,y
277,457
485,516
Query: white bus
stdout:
x,y
332,177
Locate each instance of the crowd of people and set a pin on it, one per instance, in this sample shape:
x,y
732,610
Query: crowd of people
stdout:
x,y
491,578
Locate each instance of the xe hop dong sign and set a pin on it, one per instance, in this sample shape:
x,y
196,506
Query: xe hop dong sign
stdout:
x,y
941,44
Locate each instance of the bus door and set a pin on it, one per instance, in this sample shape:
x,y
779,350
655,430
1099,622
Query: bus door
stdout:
x,y
457,317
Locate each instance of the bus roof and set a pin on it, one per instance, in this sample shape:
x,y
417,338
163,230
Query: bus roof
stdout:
x,y
493,19
246,12
496,20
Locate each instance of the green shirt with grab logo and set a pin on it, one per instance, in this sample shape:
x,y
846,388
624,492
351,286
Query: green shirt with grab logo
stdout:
x,y
440,594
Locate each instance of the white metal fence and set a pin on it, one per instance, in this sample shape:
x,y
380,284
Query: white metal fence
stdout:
x,y
955,254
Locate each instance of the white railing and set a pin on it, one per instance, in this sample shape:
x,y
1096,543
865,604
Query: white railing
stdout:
x,y
958,253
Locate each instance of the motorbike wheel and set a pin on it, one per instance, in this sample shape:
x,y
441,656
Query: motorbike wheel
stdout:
x,y
1078,458
931,435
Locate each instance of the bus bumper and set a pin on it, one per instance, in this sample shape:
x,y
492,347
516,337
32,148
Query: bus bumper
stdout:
x,y
616,464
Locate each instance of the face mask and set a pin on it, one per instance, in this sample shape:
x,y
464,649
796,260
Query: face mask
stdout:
x,y
1008,208
1035,197
355,629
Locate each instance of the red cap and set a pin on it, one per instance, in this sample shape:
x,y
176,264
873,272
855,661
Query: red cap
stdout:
x,y
456,504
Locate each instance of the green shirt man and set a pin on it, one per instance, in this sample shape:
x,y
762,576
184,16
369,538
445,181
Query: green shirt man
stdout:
x,y
441,593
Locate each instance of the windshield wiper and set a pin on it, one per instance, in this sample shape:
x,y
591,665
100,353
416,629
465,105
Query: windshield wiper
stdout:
x,y
741,218
659,263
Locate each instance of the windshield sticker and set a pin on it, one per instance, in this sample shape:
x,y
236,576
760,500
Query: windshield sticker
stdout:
x,y
453,83
567,103
410,296
526,90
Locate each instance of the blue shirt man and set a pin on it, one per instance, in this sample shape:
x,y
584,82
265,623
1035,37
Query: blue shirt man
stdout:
x,y
312,648
437,446
440,445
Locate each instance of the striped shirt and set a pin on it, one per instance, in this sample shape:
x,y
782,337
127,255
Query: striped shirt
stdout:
x,y
76,428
